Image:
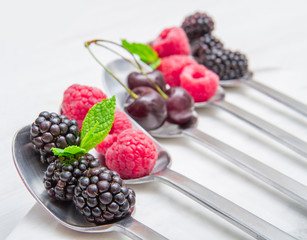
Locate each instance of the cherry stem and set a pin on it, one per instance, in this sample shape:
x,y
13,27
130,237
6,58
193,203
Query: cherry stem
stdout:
x,y
137,65
87,45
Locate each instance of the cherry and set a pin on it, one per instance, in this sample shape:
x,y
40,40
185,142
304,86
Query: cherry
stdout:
x,y
137,79
148,109
180,105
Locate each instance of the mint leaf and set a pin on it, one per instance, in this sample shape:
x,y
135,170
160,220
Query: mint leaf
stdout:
x,y
68,151
144,51
97,123
156,64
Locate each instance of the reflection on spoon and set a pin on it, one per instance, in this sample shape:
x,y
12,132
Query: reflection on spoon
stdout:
x,y
278,96
31,171
290,187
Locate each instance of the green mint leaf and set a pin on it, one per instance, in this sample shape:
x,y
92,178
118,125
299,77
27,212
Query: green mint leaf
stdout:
x,y
97,123
68,151
144,51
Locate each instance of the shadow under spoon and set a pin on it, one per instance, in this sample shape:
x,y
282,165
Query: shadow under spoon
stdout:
x,y
276,95
31,171
276,179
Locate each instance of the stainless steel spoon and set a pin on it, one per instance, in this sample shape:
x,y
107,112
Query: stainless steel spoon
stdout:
x,y
122,68
31,171
278,96
283,183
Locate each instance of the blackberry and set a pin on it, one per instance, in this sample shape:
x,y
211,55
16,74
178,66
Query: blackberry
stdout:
x,y
102,197
52,130
197,25
61,176
205,44
225,63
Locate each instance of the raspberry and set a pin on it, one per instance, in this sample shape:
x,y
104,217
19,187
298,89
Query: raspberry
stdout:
x,y
78,99
172,66
121,123
199,81
171,41
133,155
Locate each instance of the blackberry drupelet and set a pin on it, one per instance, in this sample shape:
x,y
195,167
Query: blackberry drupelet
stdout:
x,y
102,197
225,63
61,176
197,25
52,130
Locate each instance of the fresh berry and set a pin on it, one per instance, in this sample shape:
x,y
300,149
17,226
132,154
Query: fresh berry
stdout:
x,y
199,81
78,99
137,79
148,109
133,155
205,44
225,63
121,123
171,41
172,66
61,176
180,105
102,197
51,130
197,25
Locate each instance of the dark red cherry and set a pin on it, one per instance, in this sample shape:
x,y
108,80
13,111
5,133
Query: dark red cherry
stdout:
x,y
149,109
137,79
180,105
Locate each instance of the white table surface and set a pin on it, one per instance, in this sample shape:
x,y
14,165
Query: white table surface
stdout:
x,y
42,54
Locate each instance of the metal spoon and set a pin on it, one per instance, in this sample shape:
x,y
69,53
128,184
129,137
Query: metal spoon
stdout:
x,y
278,96
31,171
283,183
122,68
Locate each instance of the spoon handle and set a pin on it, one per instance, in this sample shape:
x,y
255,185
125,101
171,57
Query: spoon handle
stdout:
x,y
248,222
283,183
137,230
278,96
280,135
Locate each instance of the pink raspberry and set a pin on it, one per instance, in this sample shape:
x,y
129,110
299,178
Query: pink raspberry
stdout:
x,y
171,41
121,123
172,66
133,155
78,99
199,81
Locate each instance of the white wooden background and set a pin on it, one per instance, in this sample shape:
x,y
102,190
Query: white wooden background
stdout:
x,y
42,53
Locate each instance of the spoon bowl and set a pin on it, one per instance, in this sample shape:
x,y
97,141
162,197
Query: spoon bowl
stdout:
x,y
31,170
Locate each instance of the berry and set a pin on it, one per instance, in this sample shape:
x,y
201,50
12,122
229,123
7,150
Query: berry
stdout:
x,y
180,105
136,79
172,66
121,123
205,44
62,175
199,81
50,130
148,109
78,99
133,155
102,197
225,63
171,41
197,25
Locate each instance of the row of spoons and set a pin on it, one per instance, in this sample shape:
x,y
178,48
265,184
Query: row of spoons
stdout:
x,y
30,171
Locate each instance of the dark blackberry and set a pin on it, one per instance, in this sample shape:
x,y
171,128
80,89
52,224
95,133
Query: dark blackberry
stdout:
x,y
225,63
197,25
52,130
61,176
102,197
205,44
